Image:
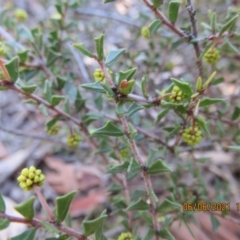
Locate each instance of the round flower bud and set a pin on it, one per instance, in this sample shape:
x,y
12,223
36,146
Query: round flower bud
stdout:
x,y
53,130
28,178
212,56
192,136
98,75
124,152
21,14
73,140
177,95
145,32
125,236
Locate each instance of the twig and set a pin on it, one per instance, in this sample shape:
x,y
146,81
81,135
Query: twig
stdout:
x,y
37,224
165,21
192,13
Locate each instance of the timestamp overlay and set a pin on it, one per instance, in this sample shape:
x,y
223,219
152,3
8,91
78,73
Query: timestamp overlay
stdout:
x,y
206,206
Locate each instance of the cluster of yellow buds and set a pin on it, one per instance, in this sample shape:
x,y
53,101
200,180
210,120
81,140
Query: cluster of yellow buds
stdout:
x,y
30,177
212,56
73,140
21,14
192,135
177,95
145,32
53,130
125,236
98,75
124,152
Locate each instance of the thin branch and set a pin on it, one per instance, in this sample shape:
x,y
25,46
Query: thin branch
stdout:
x,y
193,20
165,21
37,224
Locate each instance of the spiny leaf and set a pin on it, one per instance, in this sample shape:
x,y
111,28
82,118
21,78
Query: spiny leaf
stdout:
x,y
108,129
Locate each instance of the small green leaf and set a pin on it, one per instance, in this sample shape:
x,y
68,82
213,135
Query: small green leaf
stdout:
x,y
126,75
120,107
185,87
96,87
63,204
108,129
154,26
120,204
132,131
173,9
199,84
92,225
237,148
23,55
144,86
134,166
29,89
128,88
79,102
26,33
140,205
108,1
12,67
115,188
229,24
168,206
56,99
4,223
82,49
217,81
27,235
214,22
133,109
49,124
113,56
61,82
2,204
108,89
44,110
203,125
27,208
47,91
52,57
157,3
120,168
215,223
229,47
99,41
158,167
209,101
67,106
165,234
205,85
236,113
175,106
161,115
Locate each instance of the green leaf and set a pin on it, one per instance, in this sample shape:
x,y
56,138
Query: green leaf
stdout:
x,y
128,88
236,113
96,87
82,49
79,102
229,47
113,56
44,110
52,57
29,89
175,106
108,1
47,91
144,86
199,84
92,225
108,89
158,167
154,26
217,81
108,129
27,208
185,87
140,205
203,125
213,22
120,168
157,3
63,204
126,75
173,9
215,223
168,206
205,85
99,41
133,109
90,117
56,99
23,55
161,115
12,67
120,204
120,107
165,234
49,124
149,235
209,101
229,24
237,148
27,235
2,204
134,166
4,223
115,188
61,82
67,106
